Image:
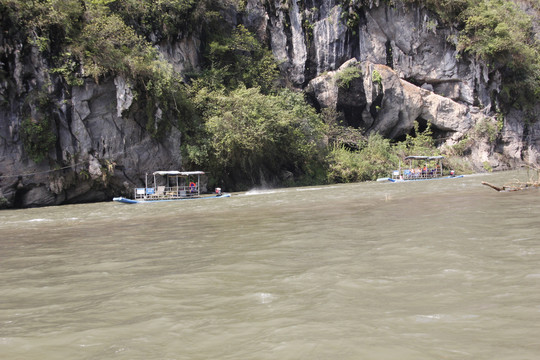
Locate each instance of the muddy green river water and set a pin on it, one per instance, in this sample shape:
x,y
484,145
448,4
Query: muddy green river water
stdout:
x,y
445,269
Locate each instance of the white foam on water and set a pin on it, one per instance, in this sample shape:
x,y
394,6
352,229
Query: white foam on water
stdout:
x,y
260,192
265,298
428,318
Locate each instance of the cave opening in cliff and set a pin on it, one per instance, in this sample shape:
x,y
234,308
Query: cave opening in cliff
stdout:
x,y
352,116
18,202
437,134
422,126
414,81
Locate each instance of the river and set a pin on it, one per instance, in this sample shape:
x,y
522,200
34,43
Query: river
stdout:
x,y
445,269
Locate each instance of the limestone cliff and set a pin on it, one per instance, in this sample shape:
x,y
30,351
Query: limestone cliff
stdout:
x,y
422,76
409,70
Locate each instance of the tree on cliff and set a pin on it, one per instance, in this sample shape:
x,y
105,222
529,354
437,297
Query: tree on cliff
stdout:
x,y
249,136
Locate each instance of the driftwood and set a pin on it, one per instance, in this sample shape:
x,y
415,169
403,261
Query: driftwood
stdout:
x,y
517,185
513,187
493,186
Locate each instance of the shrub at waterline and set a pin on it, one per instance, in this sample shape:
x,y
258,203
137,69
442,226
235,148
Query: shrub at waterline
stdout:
x,y
376,157
248,135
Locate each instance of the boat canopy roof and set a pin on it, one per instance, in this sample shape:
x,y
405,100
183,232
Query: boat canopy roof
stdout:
x,y
178,173
424,157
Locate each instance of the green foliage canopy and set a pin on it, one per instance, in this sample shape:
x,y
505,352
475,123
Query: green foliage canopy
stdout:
x,y
343,78
250,133
241,59
374,160
500,33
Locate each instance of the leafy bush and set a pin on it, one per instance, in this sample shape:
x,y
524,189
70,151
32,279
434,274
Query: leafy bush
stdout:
x,y
344,77
4,203
163,18
486,129
37,138
36,129
247,133
241,59
498,31
338,133
461,147
376,77
487,166
374,160
107,45
422,143
343,165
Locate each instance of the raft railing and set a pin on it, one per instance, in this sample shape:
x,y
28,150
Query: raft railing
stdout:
x,y
166,193
418,174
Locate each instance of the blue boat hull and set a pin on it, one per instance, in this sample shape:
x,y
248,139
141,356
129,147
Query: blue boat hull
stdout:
x,y
124,200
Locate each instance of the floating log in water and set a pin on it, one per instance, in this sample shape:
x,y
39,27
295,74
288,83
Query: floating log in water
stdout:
x,y
517,185
513,187
493,186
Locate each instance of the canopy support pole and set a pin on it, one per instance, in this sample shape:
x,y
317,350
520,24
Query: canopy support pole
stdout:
x,y
145,184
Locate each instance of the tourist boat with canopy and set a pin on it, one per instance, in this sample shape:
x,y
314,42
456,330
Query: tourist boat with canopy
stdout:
x,y
421,168
178,185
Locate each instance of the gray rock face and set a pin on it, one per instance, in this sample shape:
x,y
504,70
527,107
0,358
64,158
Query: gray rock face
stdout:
x,y
330,40
404,37
423,78
104,152
298,48
409,40
124,95
384,103
521,140
183,54
409,72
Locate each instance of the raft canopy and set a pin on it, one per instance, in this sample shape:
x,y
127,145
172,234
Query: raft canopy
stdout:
x,y
179,173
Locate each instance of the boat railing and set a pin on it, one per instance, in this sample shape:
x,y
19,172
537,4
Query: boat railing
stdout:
x,y
417,174
166,193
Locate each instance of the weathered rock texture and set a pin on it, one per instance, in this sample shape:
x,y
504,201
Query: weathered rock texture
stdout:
x,y
386,104
422,78
409,72
102,151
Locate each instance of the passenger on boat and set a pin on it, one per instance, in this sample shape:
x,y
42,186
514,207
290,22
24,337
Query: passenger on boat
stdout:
x,y
406,174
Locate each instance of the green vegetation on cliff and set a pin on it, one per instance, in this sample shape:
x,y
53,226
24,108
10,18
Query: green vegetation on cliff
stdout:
x,y
237,121
249,135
